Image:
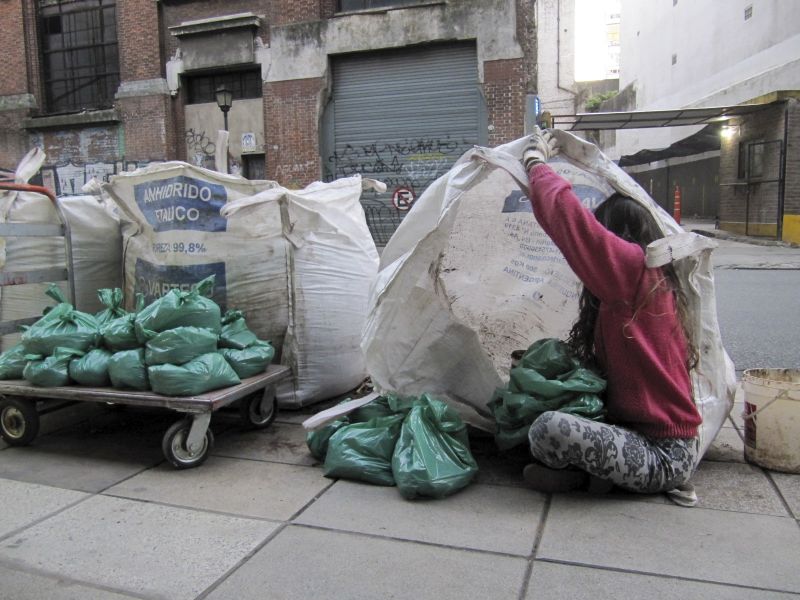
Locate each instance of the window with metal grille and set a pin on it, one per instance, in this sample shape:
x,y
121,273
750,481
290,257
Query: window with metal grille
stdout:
x,y
748,12
351,5
243,84
79,54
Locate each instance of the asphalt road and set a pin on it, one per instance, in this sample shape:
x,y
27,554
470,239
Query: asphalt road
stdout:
x,y
759,316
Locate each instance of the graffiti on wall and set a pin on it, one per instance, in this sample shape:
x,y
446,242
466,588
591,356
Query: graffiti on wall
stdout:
x,y
200,149
411,163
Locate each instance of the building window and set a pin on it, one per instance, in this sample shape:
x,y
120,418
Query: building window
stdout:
x,y
79,54
748,12
352,5
674,59
750,164
243,84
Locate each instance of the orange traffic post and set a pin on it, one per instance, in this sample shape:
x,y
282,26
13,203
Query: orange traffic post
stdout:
x,y
676,206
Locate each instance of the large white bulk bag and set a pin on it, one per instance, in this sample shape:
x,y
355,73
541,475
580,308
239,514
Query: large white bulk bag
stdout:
x,y
470,276
96,247
174,236
299,264
331,264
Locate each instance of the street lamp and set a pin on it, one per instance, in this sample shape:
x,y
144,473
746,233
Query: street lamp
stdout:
x,y
224,100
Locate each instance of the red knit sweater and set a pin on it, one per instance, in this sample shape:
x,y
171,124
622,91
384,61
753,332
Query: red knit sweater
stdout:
x,y
639,341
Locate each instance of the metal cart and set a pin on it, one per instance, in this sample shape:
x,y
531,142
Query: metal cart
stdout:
x,y
186,443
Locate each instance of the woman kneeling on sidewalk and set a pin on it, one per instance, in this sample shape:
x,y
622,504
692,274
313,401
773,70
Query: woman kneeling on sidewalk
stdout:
x,y
632,328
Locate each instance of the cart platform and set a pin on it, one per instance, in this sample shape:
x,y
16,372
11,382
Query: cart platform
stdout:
x,y
186,443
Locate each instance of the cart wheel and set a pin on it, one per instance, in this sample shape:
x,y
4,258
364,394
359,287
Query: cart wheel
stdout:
x,y
251,411
19,421
174,446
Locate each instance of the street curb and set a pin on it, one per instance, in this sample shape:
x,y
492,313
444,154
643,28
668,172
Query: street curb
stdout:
x,y
724,235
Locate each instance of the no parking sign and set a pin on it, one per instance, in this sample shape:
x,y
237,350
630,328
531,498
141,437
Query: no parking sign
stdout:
x,y
403,198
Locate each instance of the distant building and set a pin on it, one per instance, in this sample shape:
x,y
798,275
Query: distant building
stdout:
x,y
702,53
391,89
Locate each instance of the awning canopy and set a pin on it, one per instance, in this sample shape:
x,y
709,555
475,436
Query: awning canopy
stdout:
x,y
705,140
653,118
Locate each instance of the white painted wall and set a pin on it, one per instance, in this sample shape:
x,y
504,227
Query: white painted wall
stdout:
x,y
721,58
555,20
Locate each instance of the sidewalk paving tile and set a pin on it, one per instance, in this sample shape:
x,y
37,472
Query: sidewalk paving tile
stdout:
x,y
88,464
552,581
306,563
481,517
242,487
737,487
280,442
789,486
137,547
18,585
25,503
697,543
726,447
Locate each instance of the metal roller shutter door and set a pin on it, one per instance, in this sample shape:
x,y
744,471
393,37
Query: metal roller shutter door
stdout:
x,y
403,117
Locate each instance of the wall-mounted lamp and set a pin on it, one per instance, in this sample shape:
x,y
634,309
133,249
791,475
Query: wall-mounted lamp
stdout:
x,y
729,130
224,100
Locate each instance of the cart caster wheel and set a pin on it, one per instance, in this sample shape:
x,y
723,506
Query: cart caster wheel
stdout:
x,y
254,415
174,446
19,421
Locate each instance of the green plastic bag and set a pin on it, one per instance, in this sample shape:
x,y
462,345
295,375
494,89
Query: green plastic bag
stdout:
x,y
52,371
363,451
250,361
179,345
12,362
112,300
61,327
547,378
203,374
91,369
235,333
382,406
180,309
317,440
128,371
120,333
432,457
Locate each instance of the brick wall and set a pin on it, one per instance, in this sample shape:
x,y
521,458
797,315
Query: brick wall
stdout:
x,y
285,12
139,47
146,130
79,146
752,208
12,41
291,123
504,89
791,197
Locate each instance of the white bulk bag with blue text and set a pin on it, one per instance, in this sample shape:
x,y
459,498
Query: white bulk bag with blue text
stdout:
x,y
298,263
470,276
96,248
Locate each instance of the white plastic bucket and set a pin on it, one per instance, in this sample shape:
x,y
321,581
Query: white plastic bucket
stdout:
x,y
772,418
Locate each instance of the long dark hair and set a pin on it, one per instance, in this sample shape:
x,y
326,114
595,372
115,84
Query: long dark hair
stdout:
x,y
631,221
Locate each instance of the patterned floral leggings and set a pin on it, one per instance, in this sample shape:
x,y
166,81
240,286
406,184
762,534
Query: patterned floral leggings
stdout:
x,y
630,460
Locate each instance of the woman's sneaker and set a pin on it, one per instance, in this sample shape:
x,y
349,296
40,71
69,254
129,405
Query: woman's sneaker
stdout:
x,y
683,495
547,480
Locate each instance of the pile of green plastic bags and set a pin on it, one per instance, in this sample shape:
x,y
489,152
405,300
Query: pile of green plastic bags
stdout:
x,y
546,378
179,345
418,444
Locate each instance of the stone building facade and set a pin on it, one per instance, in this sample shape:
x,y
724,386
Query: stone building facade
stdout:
x,y
393,89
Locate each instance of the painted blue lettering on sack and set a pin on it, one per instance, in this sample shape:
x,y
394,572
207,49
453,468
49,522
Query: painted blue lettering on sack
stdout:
x,y
517,201
182,203
156,280
590,196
